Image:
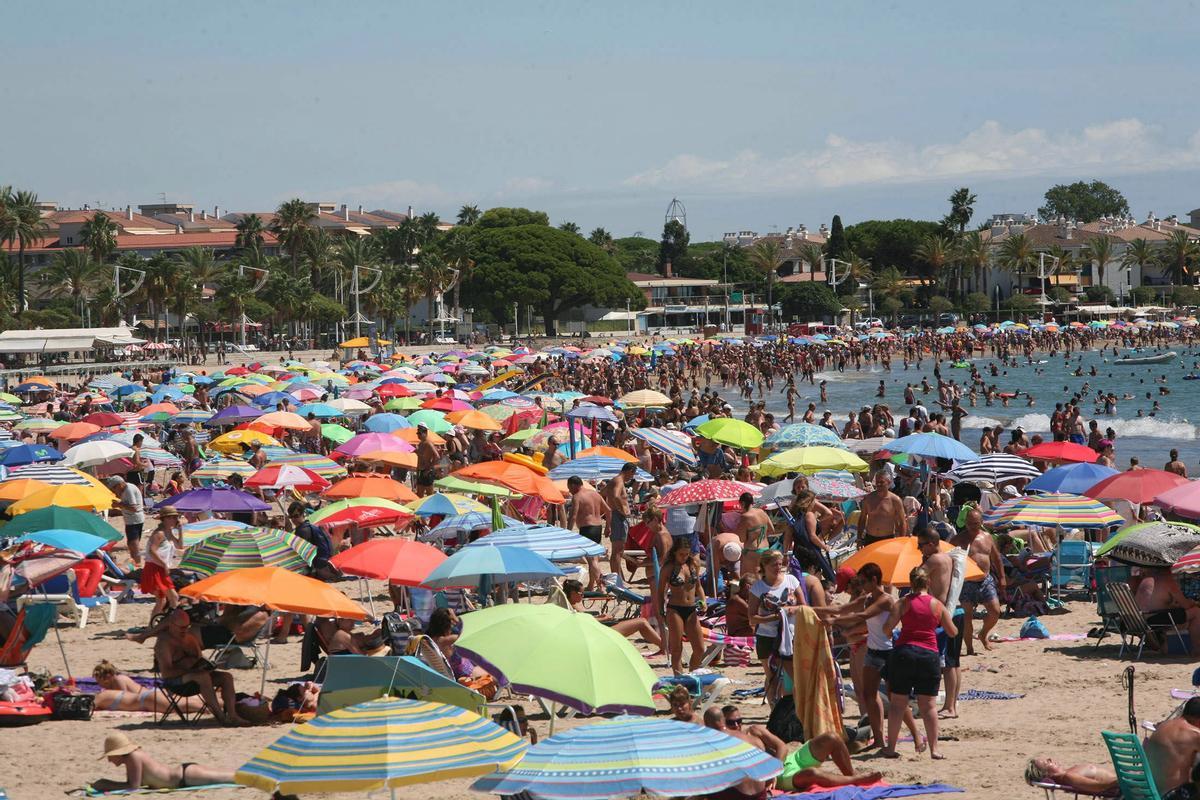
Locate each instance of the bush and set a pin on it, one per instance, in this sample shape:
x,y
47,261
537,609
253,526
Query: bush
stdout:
x,y
1143,295
976,302
1099,294
1021,304
939,304
1186,296
1060,295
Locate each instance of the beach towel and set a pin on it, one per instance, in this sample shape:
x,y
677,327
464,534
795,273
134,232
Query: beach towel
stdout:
x,y
958,558
981,694
1054,637
814,676
876,792
91,791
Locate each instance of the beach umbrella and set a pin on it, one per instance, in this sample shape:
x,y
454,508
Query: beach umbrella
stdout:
x,y
282,419
74,431
194,416
587,411
69,495
38,425
732,432
501,564
398,561
23,454
512,476
559,654
93,454
391,458
446,403
994,467
1061,451
1183,499
386,423
445,505
1188,564
220,469
194,532
326,468
248,547
61,518
932,445
76,541
803,434
338,434
595,468
232,443
365,512
779,494
450,483
1137,485
1071,478
898,556
318,410
474,420
351,679
373,442
1052,510
195,501
644,398
811,459
19,488
469,522
632,757
347,407
371,486
549,541
287,476
433,420
608,452
277,590
705,491
233,415
55,474
383,743
1151,544
676,444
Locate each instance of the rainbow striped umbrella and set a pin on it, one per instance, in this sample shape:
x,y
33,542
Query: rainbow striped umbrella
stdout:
x,y
196,532
674,443
384,743
326,468
1189,563
220,469
1053,510
249,547
629,756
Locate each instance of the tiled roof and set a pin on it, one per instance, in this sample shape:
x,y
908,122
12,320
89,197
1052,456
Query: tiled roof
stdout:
x,y
166,241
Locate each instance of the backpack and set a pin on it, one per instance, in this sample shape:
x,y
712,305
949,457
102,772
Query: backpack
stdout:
x,y
397,630
1034,629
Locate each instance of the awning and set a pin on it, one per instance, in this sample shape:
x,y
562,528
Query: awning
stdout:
x,y
117,341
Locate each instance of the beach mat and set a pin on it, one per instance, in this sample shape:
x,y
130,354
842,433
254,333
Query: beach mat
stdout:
x,y
90,791
879,791
1054,637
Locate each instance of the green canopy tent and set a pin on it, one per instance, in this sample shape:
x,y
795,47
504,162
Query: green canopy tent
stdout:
x,y
358,679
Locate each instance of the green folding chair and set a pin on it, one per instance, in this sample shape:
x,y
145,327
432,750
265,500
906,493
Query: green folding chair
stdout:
x,y
1133,770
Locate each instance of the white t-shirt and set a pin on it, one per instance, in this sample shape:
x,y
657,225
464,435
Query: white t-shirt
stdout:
x,y
786,588
132,496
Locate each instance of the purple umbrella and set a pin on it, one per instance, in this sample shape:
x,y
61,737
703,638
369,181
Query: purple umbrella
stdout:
x,y
198,500
373,442
234,415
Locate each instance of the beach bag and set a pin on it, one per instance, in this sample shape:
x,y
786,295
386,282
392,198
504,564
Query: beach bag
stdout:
x,y
1034,629
72,706
783,721
398,630
486,685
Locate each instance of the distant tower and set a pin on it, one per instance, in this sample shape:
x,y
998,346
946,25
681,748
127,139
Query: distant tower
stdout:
x,y
676,212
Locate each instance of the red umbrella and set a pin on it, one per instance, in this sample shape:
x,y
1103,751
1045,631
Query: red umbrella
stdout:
x,y
398,561
105,419
1061,451
394,390
596,399
447,403
1136,485
707,491
288,476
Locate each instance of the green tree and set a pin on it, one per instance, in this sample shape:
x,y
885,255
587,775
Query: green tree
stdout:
x,y
1143,295
570,227
1141,254
1185,296
767,258
962,208
975,255
1017,254
250,232
468,215
72,273
890,307
1021,304
808,301
603,239
1180,252
501,217
320,253
811,254
1099,252
1099,294
1086,202
935,253
673,247
99,235
637,254
975,303
458,250
889,285
435,276
294,221
351,251
1060,295
428,224
162,273
851,303
836,246
197,268
547,269
891,243
21,224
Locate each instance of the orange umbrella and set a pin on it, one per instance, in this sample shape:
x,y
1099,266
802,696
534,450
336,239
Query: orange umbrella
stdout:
x,y
608,452
385,488
512,476
282,419
277,589
398,561
74,430
252,389
898,556
476,420
43,380
391,458
410,435
159,408
20,488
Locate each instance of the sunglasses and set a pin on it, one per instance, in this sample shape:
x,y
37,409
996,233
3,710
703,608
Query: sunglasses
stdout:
x,y
733,722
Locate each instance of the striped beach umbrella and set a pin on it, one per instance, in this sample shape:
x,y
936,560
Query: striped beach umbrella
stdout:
x,y
446,505
595,468
1152,544
1189,564
632,756
247,548
676,444
220,469
365,512
803,434
549,541
384,743
195,532
193,416
56,474
1053,510
326,468
994,467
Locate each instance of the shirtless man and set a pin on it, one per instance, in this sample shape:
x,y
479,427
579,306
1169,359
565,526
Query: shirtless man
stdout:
x,y
981,549
181,661
1175,465
589,514
882,513
940,568
427,458
1089,778
1173,747
617,498
729,720
1160,598
753,528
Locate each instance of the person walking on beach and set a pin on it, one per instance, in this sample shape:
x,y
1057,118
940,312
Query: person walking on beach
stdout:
x,y
981,548
882,514
616,496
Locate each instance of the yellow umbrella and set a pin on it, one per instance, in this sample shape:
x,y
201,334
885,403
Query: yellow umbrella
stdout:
x,y
68,496
20,488
645,398
810,459
231,443
362,341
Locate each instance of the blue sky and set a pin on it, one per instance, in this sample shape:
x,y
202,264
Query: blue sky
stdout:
x,y
756,115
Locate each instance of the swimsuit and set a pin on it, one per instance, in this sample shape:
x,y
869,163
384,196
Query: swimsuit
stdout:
x,y
115,705
684,612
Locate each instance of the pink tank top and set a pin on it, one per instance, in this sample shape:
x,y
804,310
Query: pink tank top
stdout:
x,y
918,626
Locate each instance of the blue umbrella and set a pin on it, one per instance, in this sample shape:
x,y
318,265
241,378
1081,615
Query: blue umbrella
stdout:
x,y
197,500
126,389
803,434
319,410
932,445
549,541
234,415
164,393
1071,478
65,539
29,454
592,412
594,468
465,523
629,756
271,398
696,422
496,395
386,423
31,386
503,564
190,417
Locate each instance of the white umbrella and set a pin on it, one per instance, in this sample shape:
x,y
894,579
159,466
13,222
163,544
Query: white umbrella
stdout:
x,y
348,406
95,453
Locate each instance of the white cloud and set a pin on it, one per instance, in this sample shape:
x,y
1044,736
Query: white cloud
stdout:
x,y
1117,147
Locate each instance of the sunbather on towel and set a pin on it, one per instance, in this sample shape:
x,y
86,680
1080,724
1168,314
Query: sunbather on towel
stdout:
x,y
1090,778
143,770
119,692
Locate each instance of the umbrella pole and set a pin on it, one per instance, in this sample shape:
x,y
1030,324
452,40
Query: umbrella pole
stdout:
x,y
262,687
553,709
365,589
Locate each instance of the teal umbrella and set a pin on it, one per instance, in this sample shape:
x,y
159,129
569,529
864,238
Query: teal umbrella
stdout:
x,y
58,517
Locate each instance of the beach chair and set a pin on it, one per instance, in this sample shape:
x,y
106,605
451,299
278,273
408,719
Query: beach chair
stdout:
x,y
175,696
1133,770
425,650
28,630
63,592
1072,566
1131,622
1106,607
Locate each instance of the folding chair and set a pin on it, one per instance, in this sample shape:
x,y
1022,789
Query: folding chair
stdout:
x,y
1106,607
29,628
1132,623
1133,770
63,591
1072,565
175,695
425,650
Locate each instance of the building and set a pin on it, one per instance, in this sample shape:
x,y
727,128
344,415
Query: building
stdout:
x,y
794,245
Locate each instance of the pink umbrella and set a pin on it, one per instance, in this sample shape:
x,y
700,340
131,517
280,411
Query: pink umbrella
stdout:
x,y
373,443
1184,500
305,394
706,491
1137,486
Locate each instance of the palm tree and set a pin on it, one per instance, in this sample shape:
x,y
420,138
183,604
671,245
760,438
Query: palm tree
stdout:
x,y
603,239
402,242
250,232
21,223
99,234
469,215
976,255
428,223
72,273
859,270
1139,253
889,284
570,227
1180,252
1017,254
1099,251
766,258
351,252
293,223
935,251
962,208
162,275
405,284
197,268
813,255
434,274
458,248
319,252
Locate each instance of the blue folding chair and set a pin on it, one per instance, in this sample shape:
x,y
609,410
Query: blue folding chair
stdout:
x,y
1072,566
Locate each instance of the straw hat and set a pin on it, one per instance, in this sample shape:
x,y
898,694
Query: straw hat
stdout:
x,y
168,511
118,744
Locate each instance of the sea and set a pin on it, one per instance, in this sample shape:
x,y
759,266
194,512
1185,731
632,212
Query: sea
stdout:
x,y
1141,430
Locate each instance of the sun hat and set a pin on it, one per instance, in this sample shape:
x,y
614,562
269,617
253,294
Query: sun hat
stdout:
x,y
118,744
844,574
168,511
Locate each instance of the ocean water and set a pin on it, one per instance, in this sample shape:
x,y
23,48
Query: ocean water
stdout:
x,y
1175,424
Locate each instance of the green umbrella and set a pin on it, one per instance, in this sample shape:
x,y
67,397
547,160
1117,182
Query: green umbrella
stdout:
x,y
561,655
433,420
60,518
248,548
732,432
353,679
402,404
335,433
522,436
452,484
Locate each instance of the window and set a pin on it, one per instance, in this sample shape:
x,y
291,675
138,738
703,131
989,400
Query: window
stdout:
x,y
70,240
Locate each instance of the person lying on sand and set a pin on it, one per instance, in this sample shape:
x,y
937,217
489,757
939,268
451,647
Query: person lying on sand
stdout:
x,y
144,771
119,692
1090,778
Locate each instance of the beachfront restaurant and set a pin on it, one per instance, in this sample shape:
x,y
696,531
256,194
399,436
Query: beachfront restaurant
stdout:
x,y
44,346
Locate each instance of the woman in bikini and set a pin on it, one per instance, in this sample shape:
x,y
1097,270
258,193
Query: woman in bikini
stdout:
x,y
119,692
144,771
680,585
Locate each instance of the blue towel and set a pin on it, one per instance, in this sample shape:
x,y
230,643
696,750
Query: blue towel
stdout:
x,y
873,792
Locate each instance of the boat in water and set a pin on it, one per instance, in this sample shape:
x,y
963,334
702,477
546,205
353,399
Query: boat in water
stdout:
x,y
1161,358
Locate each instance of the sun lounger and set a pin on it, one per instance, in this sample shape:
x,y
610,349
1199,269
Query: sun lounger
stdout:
x,y
1133,770
1132,624
1052,789
62,591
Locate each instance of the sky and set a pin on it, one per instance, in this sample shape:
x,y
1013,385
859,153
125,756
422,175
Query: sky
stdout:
x,y
756,115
